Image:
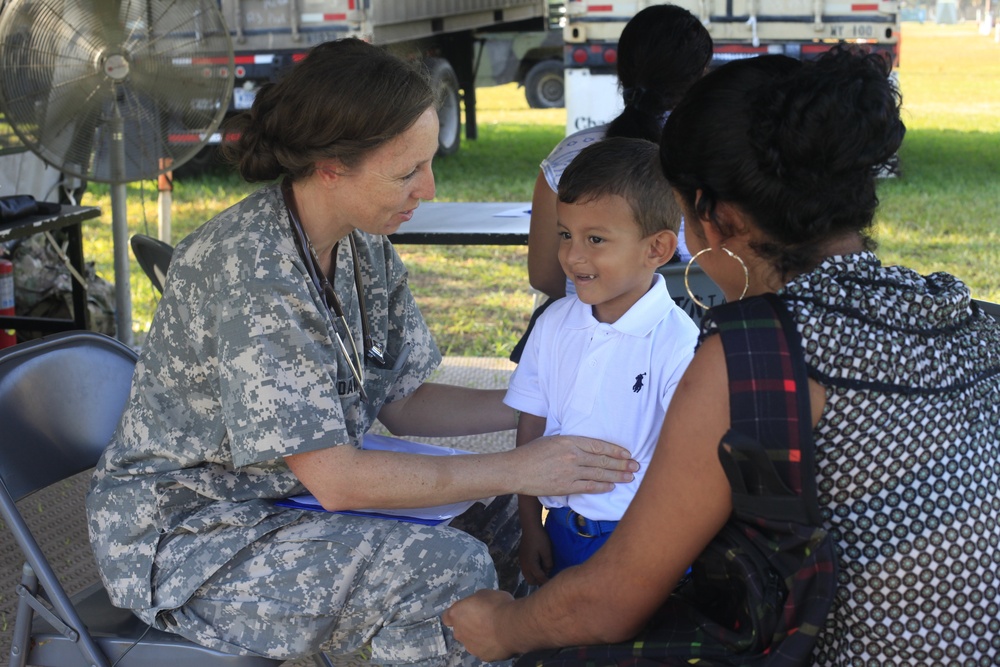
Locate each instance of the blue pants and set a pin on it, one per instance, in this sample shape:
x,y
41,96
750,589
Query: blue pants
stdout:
x,y
574,537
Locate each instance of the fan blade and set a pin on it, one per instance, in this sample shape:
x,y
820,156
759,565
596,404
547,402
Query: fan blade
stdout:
x,y
108,15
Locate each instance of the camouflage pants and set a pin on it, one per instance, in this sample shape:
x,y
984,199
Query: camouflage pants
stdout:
x,y
340,583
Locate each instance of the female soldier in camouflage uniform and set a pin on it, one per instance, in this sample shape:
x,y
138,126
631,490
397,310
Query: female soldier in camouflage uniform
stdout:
x,y
285,329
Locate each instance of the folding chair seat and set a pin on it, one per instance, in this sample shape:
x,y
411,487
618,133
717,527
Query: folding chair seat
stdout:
x,y
61,398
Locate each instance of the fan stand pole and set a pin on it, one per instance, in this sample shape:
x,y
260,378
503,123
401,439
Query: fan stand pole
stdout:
x,y
119,233
123,288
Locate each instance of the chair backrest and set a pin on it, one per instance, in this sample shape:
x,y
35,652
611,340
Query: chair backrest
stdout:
x,y
154,257
992,309
701,285
61,398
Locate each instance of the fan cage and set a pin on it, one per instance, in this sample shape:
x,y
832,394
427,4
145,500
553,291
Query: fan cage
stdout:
x,y
114,90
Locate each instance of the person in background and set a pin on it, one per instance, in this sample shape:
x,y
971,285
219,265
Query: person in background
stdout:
x,y
662,50
605,361
774,162
285,329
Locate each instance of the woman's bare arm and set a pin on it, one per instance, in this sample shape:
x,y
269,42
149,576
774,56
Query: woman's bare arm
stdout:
x,y
436,409
544,272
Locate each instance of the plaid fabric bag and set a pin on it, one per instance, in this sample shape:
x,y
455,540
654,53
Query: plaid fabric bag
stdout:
x,y
761,590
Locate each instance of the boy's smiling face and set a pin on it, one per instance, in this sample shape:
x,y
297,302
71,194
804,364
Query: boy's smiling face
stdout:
x,y
602,251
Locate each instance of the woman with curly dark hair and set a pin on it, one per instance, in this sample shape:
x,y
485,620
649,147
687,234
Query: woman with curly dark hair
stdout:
x,y
867,395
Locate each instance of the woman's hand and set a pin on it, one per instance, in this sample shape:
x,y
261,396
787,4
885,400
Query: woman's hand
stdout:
x,y
559,465
473,622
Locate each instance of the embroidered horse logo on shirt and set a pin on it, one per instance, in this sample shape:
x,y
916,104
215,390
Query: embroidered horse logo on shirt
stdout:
x,y
638,382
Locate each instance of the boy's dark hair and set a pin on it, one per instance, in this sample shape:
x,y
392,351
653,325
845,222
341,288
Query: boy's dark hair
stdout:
x,y
629,168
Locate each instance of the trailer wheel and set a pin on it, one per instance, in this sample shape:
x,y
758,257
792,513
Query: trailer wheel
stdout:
x,y
544,86
445,85
204,161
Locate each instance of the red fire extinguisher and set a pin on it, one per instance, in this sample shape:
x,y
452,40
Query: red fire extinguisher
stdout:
x,y
7,336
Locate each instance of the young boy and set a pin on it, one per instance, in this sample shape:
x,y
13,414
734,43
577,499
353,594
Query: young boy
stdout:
x,y
605,362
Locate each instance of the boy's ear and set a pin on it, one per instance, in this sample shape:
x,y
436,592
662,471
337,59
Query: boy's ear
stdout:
x,y
661,247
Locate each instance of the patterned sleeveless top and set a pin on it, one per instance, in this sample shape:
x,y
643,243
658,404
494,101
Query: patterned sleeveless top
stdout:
x,y
907,462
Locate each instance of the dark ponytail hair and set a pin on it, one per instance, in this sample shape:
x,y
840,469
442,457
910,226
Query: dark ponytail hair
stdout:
x,y
796,146
662,50
343,101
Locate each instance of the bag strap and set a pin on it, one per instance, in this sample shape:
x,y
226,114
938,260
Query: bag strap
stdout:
x,y
768,453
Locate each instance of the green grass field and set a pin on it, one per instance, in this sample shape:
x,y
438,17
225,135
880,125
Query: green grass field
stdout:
x,y
941,214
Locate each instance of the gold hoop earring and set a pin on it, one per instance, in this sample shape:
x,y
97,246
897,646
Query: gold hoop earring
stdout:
x,y
687,270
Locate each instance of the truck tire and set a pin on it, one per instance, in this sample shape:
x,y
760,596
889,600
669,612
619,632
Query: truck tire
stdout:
x,y
445,85
204,161
544,86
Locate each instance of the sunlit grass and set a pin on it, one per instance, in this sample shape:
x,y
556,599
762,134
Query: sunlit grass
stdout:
x,y
950,78
942,214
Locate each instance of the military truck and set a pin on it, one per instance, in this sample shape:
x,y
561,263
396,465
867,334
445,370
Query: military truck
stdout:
x,y
270,35
532,59
740,29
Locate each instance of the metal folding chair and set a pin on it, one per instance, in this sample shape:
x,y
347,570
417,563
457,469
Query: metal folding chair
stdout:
x,y
60,400
992,309
153,256
701,286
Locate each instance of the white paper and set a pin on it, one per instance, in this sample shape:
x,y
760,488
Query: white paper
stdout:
x,y
520,212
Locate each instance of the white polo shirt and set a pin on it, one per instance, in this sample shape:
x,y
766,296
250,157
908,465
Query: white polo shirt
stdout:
x,y
608,381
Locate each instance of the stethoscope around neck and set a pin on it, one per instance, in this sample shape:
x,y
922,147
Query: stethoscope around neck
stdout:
x,y
330,298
